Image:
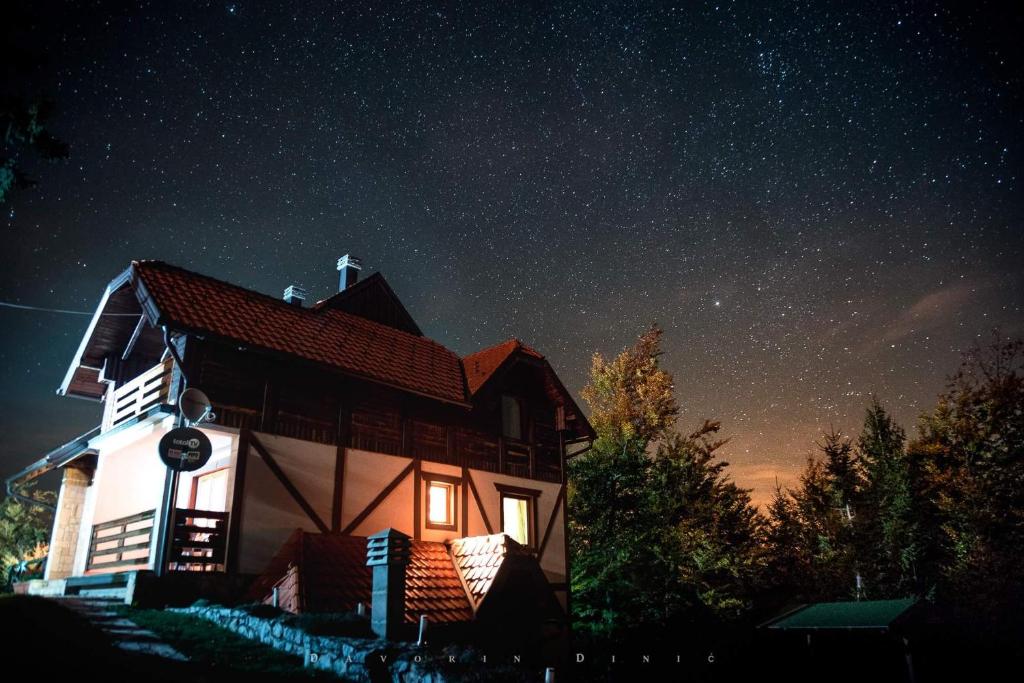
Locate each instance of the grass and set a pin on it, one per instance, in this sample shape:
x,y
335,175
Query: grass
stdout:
x,y
49,639
221,651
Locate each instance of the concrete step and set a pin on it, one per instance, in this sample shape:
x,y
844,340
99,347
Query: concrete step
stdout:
x,y
118,594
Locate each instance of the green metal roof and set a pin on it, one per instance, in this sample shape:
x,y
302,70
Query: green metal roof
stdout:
x,y
868,614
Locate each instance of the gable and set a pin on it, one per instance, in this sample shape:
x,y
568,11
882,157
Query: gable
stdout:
x,y
495,368
374,300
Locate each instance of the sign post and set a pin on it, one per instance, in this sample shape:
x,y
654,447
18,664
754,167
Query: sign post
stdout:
x,y
183,449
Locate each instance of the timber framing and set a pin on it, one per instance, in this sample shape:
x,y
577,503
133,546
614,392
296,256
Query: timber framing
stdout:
x,y
559,500
375,503
288,485
479,503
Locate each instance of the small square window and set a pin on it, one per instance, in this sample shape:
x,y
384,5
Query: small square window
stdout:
x,y
441,504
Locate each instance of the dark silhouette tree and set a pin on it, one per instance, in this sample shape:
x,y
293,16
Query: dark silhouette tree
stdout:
x,y
888,543
25,113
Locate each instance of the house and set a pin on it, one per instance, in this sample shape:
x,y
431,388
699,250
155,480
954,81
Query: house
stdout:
x,y
339,419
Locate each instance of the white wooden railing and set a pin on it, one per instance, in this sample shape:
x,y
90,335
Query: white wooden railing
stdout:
x,y
134,398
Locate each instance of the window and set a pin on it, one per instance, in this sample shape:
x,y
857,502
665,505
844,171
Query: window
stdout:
x,y
519,513
441,502
210,491
511,417
515,518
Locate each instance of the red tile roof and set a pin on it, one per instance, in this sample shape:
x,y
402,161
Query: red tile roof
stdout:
x,y
479,558
432,586
333,577
350,343
481,365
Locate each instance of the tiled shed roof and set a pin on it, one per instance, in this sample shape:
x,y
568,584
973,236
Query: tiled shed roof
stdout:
x,y
479,558
334,577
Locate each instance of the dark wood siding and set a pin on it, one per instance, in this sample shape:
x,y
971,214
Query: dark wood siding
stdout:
x,y
255,392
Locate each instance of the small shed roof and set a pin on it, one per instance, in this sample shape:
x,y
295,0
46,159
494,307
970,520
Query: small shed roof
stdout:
x,y
862,614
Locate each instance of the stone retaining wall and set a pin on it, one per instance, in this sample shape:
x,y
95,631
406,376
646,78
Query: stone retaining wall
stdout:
x,y
357,659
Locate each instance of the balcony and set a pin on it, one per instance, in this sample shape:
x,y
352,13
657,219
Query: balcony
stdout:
x,y
137,396
198,542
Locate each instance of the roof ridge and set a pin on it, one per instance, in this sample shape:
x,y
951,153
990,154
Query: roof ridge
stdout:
x,y
517,344
287,306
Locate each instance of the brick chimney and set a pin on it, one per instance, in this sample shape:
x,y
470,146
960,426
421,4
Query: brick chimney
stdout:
x,y
295,295
387,552
349,266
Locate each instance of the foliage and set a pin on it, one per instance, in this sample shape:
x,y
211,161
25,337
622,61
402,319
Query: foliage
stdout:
x,y
969,462
24,529
631,398
942,516
262,610
888,541
658,535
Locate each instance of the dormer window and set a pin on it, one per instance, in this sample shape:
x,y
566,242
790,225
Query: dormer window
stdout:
x,y
511,417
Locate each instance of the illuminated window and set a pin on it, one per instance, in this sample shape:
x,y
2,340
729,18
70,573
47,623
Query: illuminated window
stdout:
x,y
515,518
511,417
441,502
210,491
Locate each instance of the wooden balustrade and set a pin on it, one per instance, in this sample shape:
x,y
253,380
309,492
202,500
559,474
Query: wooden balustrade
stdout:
x,y
119,542
137,396
199,540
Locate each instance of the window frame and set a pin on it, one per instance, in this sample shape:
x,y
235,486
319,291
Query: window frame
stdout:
x,y
194,487
520,493
454,484
521,427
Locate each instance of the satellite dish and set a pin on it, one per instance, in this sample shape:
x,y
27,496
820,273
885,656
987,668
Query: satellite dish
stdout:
x,y
194,406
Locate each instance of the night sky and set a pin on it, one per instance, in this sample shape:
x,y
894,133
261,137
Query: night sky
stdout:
x,y
816,202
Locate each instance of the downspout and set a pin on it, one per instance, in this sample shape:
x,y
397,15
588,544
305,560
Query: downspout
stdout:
x,y
173,350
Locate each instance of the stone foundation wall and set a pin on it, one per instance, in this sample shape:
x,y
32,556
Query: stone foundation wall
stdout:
x,y
356,659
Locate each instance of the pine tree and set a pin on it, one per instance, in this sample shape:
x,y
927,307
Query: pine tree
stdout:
x,y
887,545
659,537
788,557
24,528
970,463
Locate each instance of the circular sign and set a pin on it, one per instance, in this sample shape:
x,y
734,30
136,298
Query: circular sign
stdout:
x,y
185,449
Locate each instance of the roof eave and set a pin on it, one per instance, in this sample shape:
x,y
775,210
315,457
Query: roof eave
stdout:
x,y
115,284
55,459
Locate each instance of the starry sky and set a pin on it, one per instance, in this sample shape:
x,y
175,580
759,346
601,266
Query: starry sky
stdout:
x,y
817,201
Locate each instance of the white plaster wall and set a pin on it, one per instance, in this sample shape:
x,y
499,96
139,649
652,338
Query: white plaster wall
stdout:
x,y
269,513
366,475
130,478
553,561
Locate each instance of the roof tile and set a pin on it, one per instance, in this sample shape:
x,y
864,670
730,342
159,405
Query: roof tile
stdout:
x,y
342,340
335,578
